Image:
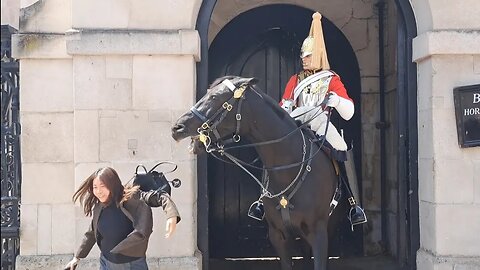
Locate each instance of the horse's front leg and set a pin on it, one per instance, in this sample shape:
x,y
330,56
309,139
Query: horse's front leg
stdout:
x,y
319,242
281,243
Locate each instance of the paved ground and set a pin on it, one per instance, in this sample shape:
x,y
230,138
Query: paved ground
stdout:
x,y
363,263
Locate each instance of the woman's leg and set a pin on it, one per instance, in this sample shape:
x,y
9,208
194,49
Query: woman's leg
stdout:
x,y
140,264
103,263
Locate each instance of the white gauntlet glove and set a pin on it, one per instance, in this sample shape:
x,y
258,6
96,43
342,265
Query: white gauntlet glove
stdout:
x,y
287,105
343,106
332,100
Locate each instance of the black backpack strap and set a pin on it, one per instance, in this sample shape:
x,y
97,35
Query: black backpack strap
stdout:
x,y
161,163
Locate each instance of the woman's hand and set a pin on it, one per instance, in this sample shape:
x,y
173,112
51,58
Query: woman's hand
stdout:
x,y
71,265
170,226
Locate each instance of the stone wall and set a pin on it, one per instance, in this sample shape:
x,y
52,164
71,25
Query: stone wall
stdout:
x,y
102,91
10,12
447,55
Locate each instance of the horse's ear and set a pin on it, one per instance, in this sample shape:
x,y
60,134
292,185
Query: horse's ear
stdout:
x,y
239,81
250,81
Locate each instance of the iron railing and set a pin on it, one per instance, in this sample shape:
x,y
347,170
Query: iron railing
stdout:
x,y
10,152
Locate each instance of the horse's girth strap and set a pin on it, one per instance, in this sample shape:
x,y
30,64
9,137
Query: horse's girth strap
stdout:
x,y
287,221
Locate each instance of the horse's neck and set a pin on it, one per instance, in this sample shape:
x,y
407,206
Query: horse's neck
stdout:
x,y
287,151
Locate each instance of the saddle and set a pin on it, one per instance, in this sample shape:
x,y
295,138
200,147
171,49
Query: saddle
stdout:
x,y
327,148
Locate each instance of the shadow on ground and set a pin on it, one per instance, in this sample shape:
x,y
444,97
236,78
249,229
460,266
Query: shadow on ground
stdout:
x,y
362,263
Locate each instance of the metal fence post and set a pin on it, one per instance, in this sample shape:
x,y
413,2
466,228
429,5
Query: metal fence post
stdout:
x,y
10,151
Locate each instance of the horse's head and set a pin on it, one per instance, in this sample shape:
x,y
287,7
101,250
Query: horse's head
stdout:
x,y
216,114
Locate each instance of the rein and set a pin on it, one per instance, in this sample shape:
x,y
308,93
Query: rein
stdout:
x,y
264,187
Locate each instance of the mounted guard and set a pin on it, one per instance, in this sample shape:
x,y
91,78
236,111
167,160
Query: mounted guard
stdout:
x,y
306,96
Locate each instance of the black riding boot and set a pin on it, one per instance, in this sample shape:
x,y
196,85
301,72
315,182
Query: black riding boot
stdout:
x,y
356,214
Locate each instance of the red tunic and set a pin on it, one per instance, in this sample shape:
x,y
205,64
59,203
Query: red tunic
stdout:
x,y
335,86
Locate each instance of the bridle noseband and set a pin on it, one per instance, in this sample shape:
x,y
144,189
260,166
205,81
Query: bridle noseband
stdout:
x,y
210,124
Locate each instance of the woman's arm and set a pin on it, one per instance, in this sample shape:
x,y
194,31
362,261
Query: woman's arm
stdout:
x,y
87,243
169,207
82,252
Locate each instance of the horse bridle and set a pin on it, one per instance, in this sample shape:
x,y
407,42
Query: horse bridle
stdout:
x,y
210,124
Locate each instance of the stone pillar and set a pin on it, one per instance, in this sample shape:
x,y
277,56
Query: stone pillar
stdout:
x,y
10,12
448,56
101,85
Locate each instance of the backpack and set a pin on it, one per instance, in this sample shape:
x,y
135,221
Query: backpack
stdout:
x,y
153,183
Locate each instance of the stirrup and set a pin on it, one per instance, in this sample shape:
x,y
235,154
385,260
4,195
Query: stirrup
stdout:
x,y
356,216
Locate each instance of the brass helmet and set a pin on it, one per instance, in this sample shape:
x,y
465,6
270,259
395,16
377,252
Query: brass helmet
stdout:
x,y
314,44
307,47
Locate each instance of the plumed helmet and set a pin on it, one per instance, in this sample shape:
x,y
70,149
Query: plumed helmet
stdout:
x,y
314,44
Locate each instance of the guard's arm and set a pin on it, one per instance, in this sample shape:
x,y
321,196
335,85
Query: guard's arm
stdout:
x,y
340,99
288,93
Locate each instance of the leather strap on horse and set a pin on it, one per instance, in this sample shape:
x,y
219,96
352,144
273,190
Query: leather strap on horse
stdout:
x,y
284,203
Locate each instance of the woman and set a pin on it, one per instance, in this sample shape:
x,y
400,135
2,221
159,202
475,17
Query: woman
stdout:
x,y
121,222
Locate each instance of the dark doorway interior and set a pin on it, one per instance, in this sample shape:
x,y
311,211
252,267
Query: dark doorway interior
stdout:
x,y
265,43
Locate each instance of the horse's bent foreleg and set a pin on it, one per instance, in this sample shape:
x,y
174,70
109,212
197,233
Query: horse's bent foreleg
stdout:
x,y
319,242
281,244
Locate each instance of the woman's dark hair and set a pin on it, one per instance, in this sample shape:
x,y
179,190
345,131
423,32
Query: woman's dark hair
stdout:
x,y
109,177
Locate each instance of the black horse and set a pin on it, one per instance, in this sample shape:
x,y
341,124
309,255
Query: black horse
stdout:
x,y
233,109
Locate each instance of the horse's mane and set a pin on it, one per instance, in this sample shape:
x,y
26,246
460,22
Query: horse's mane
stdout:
x,y
273,104
217,81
